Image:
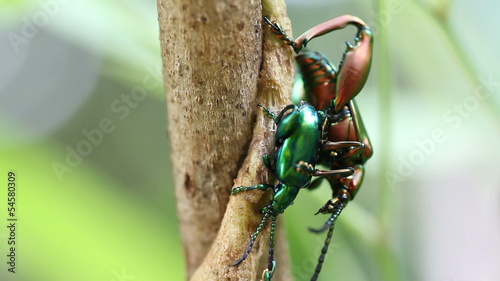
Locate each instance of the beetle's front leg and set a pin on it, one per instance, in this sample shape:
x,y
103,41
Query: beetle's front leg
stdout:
x,y
281,34
272,115
262,186
269,163
267,112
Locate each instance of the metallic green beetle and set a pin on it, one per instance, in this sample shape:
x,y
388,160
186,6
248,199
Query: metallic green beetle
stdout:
x,y
333,92
299,137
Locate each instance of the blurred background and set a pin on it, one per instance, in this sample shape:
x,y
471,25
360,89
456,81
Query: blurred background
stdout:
x,y
82,116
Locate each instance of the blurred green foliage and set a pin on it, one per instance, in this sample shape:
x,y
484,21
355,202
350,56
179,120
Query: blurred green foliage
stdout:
x,y
93,202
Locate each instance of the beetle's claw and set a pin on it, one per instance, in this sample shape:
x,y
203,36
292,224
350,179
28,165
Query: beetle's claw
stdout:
x,y
305,168
267,274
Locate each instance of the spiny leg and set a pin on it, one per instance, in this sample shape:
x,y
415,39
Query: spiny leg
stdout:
x,y
262,186
335,207
321,258
281,34
254,236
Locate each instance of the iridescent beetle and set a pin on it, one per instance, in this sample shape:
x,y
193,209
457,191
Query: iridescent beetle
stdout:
x,y
341,143
298,126
333,92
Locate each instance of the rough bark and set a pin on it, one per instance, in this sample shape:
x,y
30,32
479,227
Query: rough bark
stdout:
x,y
219,63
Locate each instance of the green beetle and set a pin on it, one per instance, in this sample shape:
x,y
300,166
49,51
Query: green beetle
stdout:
x,y
333,91
299,136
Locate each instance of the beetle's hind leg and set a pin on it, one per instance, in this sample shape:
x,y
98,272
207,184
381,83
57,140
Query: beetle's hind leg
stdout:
x,y
262,186
324,250
340,150
335,207
308,169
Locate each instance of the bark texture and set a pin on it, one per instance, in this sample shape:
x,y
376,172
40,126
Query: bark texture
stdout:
x,y
219,63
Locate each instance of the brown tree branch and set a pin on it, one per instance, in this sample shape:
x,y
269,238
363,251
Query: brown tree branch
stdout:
x,y
217,67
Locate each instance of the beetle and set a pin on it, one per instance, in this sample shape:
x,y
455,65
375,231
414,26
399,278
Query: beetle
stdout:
x,y
348,145
333,92
300,134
